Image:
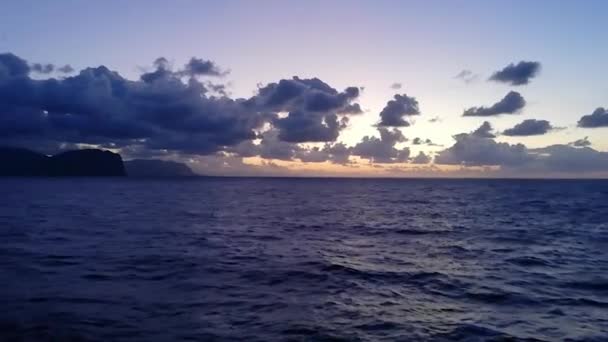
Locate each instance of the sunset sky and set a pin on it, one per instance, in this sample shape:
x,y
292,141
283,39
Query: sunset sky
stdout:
x,y
260,84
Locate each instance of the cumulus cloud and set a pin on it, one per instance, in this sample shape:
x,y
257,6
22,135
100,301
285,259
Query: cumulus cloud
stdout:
x,y
568,160
484,131
201,67
467,76
599,118
395,111
421,158
316,111
337,153
42,68
66,69
517,74
421,141
50,68
12,66
529,127
581,142
472,150
512,103
163,110
518,160
383,150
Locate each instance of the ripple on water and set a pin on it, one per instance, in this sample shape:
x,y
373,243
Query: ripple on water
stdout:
x,y
303,260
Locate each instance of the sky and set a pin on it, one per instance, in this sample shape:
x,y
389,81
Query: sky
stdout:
x,y
319,88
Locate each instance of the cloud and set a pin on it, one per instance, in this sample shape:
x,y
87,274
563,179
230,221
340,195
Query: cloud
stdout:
x,y
435,119
517,74
473,150
420,141
396,109
467,76
518,160
569,160
484,131
337,153
396,86
223,165
99,106
421,158
271,147
50,68
353,108
300,126
512,103
382,150
12,66
201,67
581,142
529,127
165,111
66,69
42,68
599,118
316,111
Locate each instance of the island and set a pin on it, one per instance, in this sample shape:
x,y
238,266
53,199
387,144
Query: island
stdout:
x,y
76,163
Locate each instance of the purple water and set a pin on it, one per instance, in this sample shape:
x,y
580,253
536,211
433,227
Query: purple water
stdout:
x,y
245,259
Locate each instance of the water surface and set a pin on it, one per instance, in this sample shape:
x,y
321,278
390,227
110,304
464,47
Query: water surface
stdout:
x,y
303,259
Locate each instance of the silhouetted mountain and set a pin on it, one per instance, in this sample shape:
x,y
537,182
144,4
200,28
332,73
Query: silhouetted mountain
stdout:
x,y
21,162
90,162
157,168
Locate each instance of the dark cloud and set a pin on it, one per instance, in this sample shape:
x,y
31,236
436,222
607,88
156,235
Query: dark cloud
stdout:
x,y
396,86
12,66
421,158
467,76
201,67
484,131
337,153
99,106
353,108
271,147
314,108
300,126
518,160
66,69
581,142
420,141
529,127
517,74
164,111
382,150
395,111
42,68
472,150
599,118
512,103
568,160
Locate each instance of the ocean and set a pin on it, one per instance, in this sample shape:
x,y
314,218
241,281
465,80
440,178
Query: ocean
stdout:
x,y
270,259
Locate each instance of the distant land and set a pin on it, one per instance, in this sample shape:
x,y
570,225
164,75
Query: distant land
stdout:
x,y
87,162
157,168
84,163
